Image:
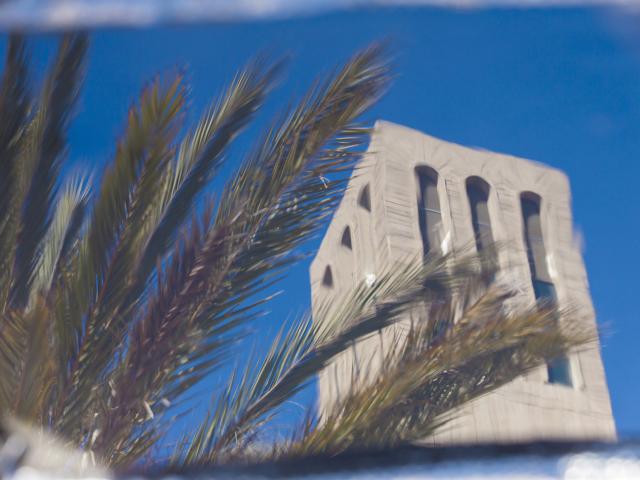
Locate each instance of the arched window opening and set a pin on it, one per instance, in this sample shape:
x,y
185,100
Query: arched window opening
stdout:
x,y
327,278
430,216
364,199
345,241
478,194
534,240
559,370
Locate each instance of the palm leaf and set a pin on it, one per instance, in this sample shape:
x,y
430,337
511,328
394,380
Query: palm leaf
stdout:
x,y
426,380
63,234
212,279
200,156
57,101
14,108
27,364
297,356
114,307
13,335
92,301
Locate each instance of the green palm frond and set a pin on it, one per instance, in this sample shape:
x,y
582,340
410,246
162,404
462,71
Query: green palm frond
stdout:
x,y
56,106
37,377
63,234
426,378
93,299
116,303
14,107
211,279
27,363
13,335
281,194
14,110
201,154
302,351
469,345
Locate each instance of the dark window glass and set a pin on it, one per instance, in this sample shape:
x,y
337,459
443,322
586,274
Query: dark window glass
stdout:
x,y
327,278
346,238
429,213
544,291
559,372
478,193
364,200
533,238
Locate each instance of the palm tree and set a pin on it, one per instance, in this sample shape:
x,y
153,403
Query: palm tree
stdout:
x,y
121,291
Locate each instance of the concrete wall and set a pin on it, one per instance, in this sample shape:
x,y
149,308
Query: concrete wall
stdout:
x,y
530,407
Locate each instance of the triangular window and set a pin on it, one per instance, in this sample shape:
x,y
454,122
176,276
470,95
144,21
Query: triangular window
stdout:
x,y
364,200
346,238
327,278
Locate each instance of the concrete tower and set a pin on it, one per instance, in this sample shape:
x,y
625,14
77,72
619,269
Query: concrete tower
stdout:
x,y
412,193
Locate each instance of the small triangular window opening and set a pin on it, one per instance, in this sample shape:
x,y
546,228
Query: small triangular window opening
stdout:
x,y
327,278
364,200
346,238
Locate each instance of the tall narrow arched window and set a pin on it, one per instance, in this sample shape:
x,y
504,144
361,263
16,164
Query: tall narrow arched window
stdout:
x,y
478,194
559,370
364,199
534,240
327,278
430,216
345,241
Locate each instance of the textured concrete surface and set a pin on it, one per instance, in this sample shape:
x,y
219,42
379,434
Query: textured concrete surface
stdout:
x,y
531,407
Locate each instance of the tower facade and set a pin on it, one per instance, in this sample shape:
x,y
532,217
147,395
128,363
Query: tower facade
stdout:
x,y
412,193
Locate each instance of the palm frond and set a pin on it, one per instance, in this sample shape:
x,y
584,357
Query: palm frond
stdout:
x,y
291,184
201,154
199,157
297,356
57,101
213,279
14,109
93,300
37,378
280,196
13,335
114,307
26,363
63,234
425,380
154,356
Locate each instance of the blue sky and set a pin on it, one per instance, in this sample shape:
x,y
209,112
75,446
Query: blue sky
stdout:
x,y
561,86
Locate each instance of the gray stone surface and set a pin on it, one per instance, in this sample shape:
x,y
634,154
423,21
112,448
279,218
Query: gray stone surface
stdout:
x,y
530,407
